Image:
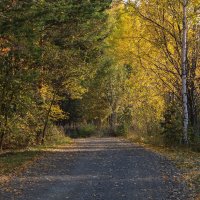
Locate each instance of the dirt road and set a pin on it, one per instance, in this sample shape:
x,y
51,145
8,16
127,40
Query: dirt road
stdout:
x,y
98,169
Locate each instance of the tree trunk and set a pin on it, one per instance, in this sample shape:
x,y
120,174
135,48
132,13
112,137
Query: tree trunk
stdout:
x,y
47,118
1,140
113,121
184,74
4,132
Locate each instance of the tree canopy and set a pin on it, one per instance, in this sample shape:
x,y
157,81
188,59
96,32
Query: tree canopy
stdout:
x,y
114,67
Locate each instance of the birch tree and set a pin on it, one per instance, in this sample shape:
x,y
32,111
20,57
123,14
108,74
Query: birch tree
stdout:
x,y
184,74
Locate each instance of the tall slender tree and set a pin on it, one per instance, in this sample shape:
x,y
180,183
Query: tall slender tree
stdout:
x,y
184,74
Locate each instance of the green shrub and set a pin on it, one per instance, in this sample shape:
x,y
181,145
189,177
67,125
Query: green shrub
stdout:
x,y
19,135
195,143
122,129
83,131
172,126
56,136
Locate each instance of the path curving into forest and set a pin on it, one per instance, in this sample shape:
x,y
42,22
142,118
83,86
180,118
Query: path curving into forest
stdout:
x,y
99,169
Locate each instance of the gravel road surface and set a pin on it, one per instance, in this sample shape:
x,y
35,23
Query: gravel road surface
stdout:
x,y
98,169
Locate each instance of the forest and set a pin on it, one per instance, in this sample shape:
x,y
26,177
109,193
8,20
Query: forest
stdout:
x,y
99,67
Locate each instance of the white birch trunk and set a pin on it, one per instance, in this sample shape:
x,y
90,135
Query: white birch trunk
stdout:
x,y
184,74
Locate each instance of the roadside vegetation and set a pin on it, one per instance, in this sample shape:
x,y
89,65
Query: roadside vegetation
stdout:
x,y
15,161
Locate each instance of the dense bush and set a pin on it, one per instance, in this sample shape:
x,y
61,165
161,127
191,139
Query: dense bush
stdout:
x,y
83,131
56,136
172,127
122,129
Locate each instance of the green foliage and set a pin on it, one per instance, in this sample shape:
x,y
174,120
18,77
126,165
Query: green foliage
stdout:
x,y
86,130
172,128
195,142
42,63
56,136
122,130
83,131
125,119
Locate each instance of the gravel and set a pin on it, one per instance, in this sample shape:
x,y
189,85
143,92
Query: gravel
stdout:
x,y
98,169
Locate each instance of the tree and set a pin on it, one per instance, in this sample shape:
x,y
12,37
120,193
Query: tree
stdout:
x,y
164,22
184,73
37,52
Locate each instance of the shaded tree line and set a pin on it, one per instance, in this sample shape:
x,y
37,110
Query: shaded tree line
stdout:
x,y
46,51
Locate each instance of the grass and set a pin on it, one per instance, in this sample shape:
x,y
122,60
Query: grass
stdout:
x,y
185,159
12,162
58,142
